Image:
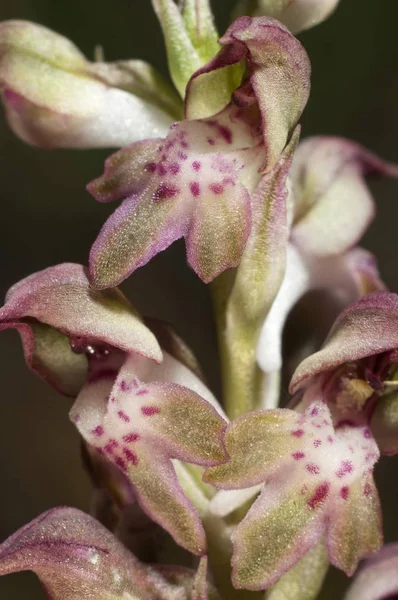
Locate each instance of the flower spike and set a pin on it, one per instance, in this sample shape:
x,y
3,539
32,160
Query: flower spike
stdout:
x,y
55,98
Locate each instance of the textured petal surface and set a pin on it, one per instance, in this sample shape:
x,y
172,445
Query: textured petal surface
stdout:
x,y
367,327
75,557
52,98
141,422
297,15
333,206
313,476
61,297
279,72
384,424
195,183
378,579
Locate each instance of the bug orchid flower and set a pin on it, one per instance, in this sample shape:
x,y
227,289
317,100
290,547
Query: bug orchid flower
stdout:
x,y
127,402
355,369
297,15
74,557
378,577
317,482
332,208
197,182
54,97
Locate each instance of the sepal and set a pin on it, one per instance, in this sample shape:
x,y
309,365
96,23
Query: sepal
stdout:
x,y
378,577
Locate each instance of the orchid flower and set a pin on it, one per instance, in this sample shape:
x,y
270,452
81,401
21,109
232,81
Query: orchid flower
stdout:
x,y
297,15
75,557
197,182
378,578
332,208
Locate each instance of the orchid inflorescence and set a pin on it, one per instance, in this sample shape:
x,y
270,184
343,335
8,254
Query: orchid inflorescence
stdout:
x,y
241,498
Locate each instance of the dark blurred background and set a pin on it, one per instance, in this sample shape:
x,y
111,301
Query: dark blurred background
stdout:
x,y
49,218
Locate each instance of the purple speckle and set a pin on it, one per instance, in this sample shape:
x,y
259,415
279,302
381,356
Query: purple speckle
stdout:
x,y
314,411
367,489
76,418
98,431
151,167
111,446
121,463
174,168
184,144
165,191
367,434
225,133
313,468
196,165
330,439
149,411
142,392
162,170
122,415
182,156
345,468
130,456
216,188
298,433
195,188
298,455
319,496
129,438
124,387
317,443
345,492
211,141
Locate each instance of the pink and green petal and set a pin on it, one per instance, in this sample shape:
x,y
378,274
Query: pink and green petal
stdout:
x,y
354,530
378,578
54,97
333,206
297,15
48,354
61,297
279,72
367,327
75,557
140,425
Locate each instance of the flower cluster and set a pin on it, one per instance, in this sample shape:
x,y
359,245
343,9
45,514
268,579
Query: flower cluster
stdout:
x,y
239,494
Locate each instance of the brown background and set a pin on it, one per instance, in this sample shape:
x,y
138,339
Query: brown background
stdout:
x,y
48,218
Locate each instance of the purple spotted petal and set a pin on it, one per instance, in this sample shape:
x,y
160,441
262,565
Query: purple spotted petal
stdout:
x,y
378,578
278,70
140,423
366,328
195,183
54,97
75,557
333,206
317,480
61,297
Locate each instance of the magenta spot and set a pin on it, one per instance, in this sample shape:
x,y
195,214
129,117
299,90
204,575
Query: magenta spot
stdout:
x,y
110,446
182,156
76,418
313,468
151,167
298,433
319,496
184,144
196,165
149,411
162,170
216,188
367,434
174,168
122,415
298,455
345,492
98,431
113,399
169,144
317,443
165,191
121,463
142,392
314,411
367,489
345,468
225,133
330,439
195,188
211,141
130,438
123,385
130,456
